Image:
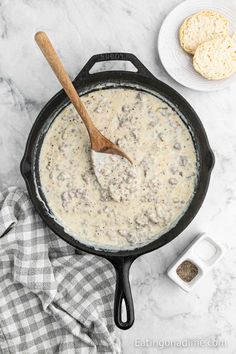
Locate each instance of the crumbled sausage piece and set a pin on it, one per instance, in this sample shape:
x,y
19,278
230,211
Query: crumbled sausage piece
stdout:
x,y
173,123
173,181
62,176
154,184
125,119
62,147
177,146
141,220
183,160
65,196
163,212
152,123
65,134
98,109
104,172
152,216
174,170
125,108
139,96
123,233
104,195
49,165
132,173
135,134
65,206
121,143
73,193
163,111
146,165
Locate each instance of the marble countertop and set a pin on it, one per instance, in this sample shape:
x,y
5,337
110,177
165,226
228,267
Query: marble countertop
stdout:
x,y
80,29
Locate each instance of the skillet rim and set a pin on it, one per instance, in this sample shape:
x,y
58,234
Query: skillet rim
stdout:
x,y
146,80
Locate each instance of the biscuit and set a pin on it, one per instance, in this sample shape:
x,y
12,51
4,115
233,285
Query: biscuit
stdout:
x,y
216,59
201,27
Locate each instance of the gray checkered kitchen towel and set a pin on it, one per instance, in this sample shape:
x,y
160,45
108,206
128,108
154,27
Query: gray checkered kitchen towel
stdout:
x,y
53,299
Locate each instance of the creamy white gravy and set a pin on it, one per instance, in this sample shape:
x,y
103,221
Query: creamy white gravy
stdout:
x,y
136,203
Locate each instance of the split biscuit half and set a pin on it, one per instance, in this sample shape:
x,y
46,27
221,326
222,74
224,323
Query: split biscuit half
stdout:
x,y
201,27
216,59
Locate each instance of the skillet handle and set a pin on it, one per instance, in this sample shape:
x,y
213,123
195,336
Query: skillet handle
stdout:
x,y
123,292
141,69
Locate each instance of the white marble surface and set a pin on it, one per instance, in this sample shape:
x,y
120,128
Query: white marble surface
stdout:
x,y
80,29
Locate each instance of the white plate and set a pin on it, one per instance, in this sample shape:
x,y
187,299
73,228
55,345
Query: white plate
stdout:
x,y
174,59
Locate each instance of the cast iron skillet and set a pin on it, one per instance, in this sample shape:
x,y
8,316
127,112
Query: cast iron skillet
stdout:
x,y
86,82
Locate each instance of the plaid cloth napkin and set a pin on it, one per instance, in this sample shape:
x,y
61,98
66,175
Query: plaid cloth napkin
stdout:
x,y
53,299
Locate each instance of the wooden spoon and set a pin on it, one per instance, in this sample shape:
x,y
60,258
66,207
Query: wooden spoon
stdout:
x,y
99,142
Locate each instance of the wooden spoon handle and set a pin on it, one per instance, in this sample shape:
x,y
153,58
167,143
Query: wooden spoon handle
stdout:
x,y
54,61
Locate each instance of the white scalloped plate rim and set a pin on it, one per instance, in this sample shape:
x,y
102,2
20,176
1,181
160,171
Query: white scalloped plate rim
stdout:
x,y
174,59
